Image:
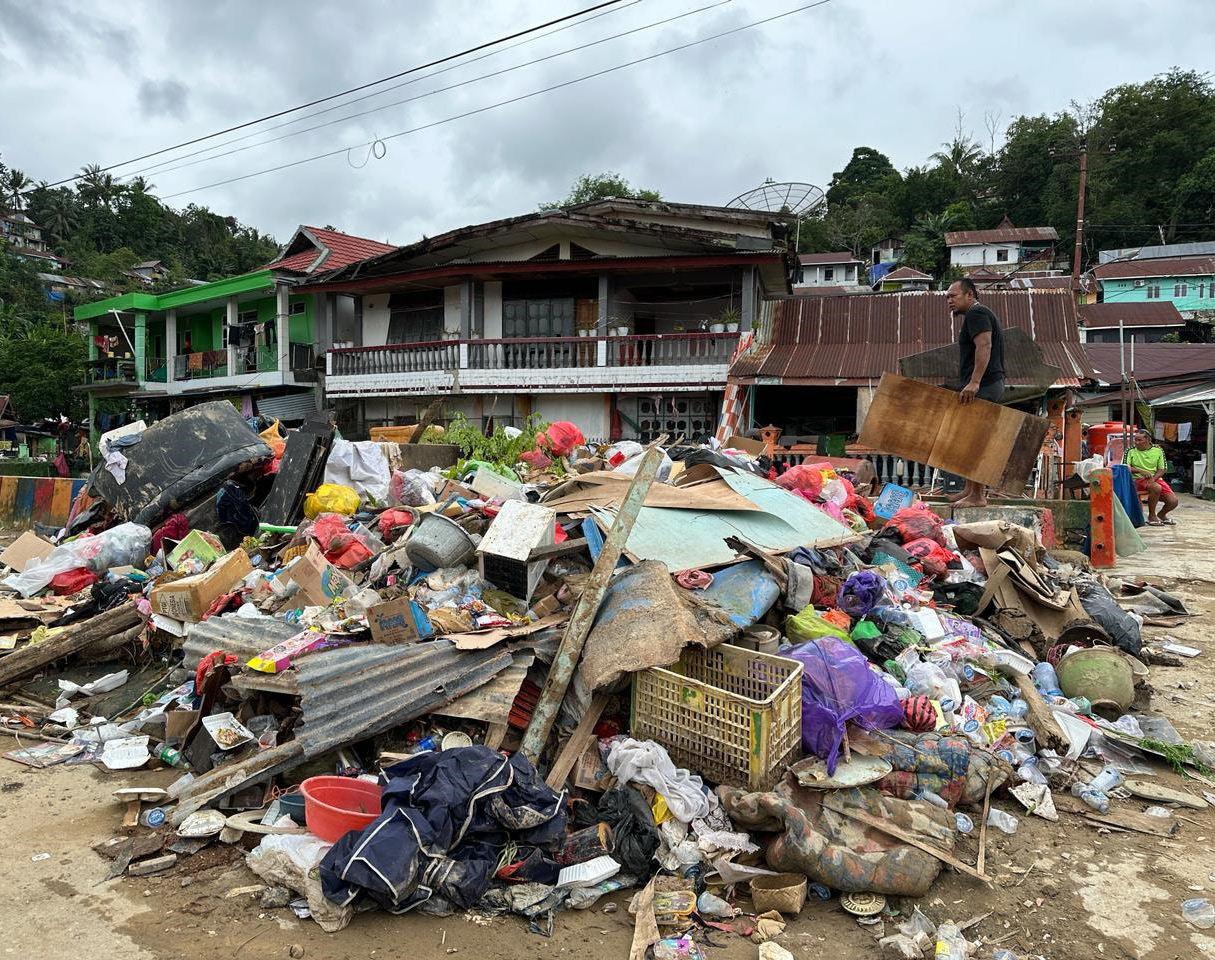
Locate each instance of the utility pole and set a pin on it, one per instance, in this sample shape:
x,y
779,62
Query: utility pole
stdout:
x,y
1076,263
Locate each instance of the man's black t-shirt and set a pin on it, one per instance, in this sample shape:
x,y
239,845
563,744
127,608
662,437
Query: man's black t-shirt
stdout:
x,y
979,320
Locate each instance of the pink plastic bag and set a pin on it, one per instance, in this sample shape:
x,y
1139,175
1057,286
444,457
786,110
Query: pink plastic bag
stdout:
x,y
560,438
804,478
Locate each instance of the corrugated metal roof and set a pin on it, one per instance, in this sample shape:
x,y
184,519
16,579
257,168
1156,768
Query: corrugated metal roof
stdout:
x,y
852,340
1157,313
811,259
350,694
1201,266
1190,397
1151,361
1149,392
1009,234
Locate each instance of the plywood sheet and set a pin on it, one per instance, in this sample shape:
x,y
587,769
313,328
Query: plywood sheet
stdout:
x,y
608,490
982,441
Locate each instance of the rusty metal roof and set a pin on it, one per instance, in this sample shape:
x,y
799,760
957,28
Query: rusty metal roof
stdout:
x,y
1156,313
1001,234
850,341
1201,266
1151,361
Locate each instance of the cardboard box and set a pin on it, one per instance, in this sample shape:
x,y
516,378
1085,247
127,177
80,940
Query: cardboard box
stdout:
x,y
320,581
24,550
188,598
393,622
179,723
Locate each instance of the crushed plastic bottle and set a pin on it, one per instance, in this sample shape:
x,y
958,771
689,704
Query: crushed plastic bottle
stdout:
x,y
1094,798
1200,912
1029,772
1108,779
1046,680
1004,822
963,823
708,905
951,945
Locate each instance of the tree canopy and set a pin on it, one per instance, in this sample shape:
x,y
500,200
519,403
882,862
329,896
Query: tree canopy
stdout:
x,y
601,186
1151,161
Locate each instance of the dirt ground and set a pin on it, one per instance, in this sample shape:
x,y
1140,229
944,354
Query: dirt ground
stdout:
x,y
1061,890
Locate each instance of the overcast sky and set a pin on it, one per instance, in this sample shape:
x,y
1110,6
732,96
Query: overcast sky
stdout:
x,y
106,81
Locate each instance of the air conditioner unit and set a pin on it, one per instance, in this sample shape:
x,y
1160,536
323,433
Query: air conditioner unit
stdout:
x,y
1140,283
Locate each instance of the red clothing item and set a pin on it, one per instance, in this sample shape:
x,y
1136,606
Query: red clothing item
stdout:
x,y
1142,482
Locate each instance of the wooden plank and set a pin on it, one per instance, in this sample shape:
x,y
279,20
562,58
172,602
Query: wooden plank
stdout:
x,y
982,441
982,860
1041,720
900,834
428,415
574,747
24,511
495,735
1120,819
61,502
583,618
8,498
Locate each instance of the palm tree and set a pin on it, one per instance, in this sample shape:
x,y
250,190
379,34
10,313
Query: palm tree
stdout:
x,y
14,186
140,184
97,188
59,215
960,154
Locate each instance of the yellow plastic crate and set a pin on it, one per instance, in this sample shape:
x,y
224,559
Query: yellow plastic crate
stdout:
x,y
730,714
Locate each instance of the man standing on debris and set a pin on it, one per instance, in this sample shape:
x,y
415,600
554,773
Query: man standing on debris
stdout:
x,y
980,363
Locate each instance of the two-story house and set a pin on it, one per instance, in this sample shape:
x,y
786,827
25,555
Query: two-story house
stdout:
x,y
828,270
249,338
1005,248
1180,273
618,315
23,239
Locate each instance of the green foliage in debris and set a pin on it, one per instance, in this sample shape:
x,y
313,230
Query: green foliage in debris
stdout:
x,y
498,448
1178,755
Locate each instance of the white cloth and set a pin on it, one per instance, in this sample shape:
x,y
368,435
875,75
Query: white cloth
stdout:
x,y
116,463
360,465
638,761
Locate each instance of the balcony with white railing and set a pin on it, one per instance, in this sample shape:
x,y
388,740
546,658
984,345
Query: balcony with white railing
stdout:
x,y
673,361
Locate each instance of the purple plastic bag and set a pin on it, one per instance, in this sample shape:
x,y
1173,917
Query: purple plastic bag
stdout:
x,y
860,593
838,686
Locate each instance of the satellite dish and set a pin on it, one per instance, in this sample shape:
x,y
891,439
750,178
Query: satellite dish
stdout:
x,y
799,199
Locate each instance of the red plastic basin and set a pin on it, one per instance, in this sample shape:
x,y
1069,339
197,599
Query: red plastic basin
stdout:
x,y
333,806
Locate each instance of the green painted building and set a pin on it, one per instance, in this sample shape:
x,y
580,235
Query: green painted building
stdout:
x,y
248,338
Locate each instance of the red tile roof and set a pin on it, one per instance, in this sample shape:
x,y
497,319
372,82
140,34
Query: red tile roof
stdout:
x,y
339,249
1201,266
811,259
1009,234
1156,313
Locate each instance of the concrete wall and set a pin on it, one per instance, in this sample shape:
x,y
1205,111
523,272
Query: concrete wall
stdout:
x,y
980,254
492,293
587,411
451,312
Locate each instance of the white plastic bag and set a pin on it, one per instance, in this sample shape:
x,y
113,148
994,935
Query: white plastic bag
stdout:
x,y
632,451
360,465
124,544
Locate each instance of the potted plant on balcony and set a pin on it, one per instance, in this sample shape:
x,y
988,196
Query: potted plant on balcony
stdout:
x,y
620,326
586,328
727,321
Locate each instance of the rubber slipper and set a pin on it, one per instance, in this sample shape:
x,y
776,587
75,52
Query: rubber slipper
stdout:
x,y
1168,522
1155,523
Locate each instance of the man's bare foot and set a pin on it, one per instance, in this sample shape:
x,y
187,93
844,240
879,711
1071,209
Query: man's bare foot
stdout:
x,y
955,497
971,501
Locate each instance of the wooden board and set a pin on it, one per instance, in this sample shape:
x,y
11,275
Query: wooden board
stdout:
x,y
303,460
982,441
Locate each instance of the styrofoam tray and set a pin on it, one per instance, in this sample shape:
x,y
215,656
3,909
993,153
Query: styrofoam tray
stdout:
x,y
226,722
589,873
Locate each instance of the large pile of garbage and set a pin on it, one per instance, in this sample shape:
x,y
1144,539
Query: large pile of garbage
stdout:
x,y
518,687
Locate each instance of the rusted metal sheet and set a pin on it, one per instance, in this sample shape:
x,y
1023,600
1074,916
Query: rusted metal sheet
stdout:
x,y
350,694
1151,361
244,637
853,340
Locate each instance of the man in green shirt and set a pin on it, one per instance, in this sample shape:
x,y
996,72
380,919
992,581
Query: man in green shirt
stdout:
x,y
1146,461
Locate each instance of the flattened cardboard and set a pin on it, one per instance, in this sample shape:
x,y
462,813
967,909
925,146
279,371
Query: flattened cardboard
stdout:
x,y
746,445
982,441
488,638
24,550
392,622
320,581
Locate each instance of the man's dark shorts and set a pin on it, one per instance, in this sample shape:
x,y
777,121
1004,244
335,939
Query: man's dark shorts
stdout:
x,y
993,392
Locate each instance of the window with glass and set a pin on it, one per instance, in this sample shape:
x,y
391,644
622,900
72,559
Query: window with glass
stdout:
x,y
545,317
1180,289
1152,291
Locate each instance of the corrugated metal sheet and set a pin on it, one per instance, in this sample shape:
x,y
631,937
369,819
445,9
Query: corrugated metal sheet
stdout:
x,y
350,694
288,406
1151,361
1190,397
1157,313
1003,234
1201,266
241,636
850,341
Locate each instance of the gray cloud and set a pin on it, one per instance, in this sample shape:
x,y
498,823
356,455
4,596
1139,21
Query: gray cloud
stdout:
x,y
788,100
163,98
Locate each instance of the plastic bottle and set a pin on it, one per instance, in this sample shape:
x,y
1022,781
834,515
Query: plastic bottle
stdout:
x,y
708,905
928,796
997,706
1094,798
1029,772
1108,779
963,823
951,945
1019,708
1200,912
171,756
1004,822
1046,681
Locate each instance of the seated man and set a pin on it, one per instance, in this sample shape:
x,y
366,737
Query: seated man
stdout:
x,y
1146,461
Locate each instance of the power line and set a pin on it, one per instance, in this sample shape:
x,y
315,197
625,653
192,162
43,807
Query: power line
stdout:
x,y
364,86
503,103
169,166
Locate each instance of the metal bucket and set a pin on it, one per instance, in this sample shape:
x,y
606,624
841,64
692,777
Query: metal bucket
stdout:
x,y
438,542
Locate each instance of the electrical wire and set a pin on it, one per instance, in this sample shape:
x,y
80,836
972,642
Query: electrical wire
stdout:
x,y
364,86
508,101
153,168
170,166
